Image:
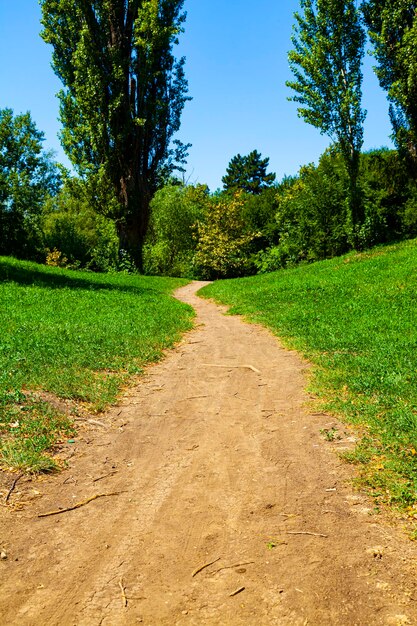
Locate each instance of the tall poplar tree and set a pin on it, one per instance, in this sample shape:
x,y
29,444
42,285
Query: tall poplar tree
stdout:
x,y
393,30
123,96
326,60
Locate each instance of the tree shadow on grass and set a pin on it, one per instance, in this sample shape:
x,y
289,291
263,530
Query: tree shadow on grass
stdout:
x,y
27,273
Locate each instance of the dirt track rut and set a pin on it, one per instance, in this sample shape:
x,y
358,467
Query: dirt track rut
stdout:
x,y
215,456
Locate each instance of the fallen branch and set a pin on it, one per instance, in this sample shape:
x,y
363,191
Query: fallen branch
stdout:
x,y
123,592
80,504
234,593
14,483
232,566
302,532
199,569
249,367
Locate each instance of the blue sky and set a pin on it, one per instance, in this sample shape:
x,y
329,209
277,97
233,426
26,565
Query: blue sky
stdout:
x,y
236,66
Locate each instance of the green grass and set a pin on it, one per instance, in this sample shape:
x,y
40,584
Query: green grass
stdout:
x,y
355,318
77,335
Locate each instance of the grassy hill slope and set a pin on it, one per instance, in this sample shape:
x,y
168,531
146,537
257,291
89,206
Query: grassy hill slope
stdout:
x,y
77,335
355,318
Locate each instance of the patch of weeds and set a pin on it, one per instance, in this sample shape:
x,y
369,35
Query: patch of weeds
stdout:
x,y
26,456
330,434
28,433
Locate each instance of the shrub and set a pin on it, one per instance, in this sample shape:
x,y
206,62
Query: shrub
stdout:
x,y
170,243
225,239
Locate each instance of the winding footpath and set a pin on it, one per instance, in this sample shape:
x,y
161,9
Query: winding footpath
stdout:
x,y
221,505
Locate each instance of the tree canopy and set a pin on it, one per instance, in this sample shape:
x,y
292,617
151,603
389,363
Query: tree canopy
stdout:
x,y
393,29
123,96
328,48
248,173
28,175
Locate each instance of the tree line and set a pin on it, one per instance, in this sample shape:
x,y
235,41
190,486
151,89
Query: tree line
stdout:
x,y
120,106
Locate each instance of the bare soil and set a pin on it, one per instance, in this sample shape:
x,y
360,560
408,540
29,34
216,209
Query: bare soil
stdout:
x,y
216,456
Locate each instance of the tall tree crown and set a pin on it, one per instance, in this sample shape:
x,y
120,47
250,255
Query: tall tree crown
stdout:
x,y
123,95
328,47
326,59
393,30
123,89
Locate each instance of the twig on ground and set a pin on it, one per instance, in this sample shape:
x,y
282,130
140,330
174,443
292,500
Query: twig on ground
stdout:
x,y
249,367
66,481
105,476
123,592
199,569
232,566
14,483
304,532
192,398
91,421
234,593
80,504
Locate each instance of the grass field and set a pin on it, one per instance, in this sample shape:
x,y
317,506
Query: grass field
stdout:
x,y
355,318
76,335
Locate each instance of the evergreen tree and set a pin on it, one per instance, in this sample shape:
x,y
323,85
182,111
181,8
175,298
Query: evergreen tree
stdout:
x,y
326,61
393,29
248,173
123,96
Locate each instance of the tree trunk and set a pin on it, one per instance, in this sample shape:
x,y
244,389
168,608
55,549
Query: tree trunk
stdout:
x,y
136,196
356,208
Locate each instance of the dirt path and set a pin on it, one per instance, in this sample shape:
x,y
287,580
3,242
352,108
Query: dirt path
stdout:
x,y
215,457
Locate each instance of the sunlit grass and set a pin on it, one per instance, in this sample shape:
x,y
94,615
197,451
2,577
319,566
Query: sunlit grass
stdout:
x,y
355,318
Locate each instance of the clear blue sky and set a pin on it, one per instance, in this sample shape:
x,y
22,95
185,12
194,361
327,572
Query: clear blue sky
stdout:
x,y
236,67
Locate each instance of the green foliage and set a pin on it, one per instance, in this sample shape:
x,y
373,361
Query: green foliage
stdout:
x,y
123,96
28,176
393,29
302,219
224,239
72,225
170,244
311,216
77,335
259,213
326,62
387,195
248,173
354,318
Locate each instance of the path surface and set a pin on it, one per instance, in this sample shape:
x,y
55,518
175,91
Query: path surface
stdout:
x,y
216,456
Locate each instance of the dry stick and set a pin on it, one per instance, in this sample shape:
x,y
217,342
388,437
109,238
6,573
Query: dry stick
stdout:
x,y
79,504
234,593
192,398
123,590
91,421
232,566
249,367
105,476
14,483
199,569
302,532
